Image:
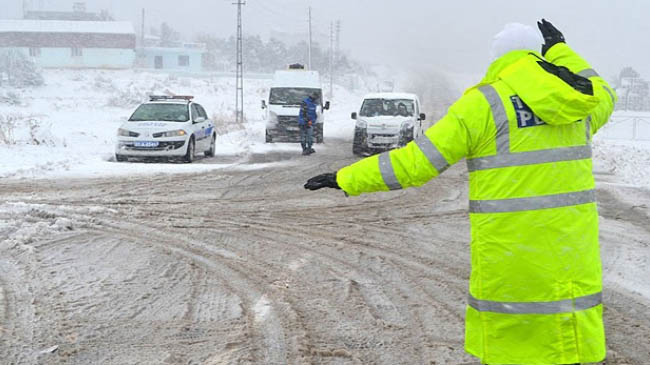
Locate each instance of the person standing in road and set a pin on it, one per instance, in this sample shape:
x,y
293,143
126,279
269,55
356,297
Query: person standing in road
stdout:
x,y
306,120
535,290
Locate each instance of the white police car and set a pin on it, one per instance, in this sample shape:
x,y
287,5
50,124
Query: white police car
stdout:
x,y
166,126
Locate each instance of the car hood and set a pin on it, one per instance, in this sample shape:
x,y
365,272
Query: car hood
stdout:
x,y
153,126
386,121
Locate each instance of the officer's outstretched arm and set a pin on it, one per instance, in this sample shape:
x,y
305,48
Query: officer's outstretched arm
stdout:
x,y
442,145
562,55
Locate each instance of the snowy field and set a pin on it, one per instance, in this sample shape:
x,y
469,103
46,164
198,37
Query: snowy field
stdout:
x,y
67,128
622,149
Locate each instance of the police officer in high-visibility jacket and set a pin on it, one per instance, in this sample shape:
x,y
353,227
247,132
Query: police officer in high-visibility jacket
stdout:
x,y
535,291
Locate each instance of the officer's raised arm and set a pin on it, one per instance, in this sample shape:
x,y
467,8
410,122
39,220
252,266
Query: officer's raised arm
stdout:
x,y
556,51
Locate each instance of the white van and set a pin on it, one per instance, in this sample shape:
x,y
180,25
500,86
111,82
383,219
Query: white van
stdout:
x,y
386,121
288,90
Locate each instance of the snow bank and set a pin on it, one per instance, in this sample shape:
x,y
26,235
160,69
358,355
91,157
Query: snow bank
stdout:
x,y
622,149
24,223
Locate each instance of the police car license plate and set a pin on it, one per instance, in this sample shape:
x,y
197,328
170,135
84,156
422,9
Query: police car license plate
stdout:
x,y
146,144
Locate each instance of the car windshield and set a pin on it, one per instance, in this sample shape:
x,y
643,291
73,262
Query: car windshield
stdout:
x,y
387,107
292,95
161,112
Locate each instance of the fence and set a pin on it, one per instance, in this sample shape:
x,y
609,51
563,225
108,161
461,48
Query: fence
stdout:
x,y
627,126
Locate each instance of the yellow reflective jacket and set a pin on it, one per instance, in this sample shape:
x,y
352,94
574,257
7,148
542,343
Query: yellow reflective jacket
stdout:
x,y
535,285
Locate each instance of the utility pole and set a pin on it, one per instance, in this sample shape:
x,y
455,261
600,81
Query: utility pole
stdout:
x,y
142,31
239,93
309,60
338,42
331,59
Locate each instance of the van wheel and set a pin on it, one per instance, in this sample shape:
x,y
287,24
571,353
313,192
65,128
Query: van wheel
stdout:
x,y
359,142
268,137
358,148
189,155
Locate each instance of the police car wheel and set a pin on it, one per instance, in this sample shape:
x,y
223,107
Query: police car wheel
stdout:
x,y
210,152
121,158
189,155
268,137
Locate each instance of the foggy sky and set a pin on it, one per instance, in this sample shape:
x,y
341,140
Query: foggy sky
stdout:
x,y
452,35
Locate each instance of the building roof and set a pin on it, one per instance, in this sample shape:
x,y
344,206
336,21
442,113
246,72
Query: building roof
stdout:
x,y
65,26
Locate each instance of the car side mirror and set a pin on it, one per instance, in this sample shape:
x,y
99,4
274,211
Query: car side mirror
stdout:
x,y
353,115
199,120
263,104
327,105
422,116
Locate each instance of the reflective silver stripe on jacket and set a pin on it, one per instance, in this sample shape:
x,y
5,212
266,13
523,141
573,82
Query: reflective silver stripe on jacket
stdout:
x,y
500,118
532,203
387,172
529,158
432,153
590,72
505,158
611,95
557,306
588,132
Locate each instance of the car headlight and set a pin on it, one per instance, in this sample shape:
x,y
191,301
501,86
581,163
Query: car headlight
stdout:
x,y
176,133
361,124
126,133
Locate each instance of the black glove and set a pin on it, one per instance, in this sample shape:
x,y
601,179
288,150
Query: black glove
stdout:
x,y
322,181
551,35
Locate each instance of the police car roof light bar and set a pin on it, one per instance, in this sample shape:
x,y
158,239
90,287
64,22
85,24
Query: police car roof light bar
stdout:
x,y
187,98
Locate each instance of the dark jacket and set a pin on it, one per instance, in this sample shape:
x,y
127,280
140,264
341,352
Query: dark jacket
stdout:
x,y
307,111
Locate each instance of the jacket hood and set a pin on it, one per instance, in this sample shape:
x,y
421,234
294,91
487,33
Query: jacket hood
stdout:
x,y
515,36
549,97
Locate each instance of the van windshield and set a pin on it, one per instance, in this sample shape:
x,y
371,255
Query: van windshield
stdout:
x,y
292,95
387,107
161,112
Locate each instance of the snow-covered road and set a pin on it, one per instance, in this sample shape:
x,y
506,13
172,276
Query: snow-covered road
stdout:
x,y
238,266
229,260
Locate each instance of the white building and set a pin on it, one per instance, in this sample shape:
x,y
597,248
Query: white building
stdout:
x,y
71,44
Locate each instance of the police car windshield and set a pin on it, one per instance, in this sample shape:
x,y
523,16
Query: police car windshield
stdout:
x,y
387,107
291,95
161,112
